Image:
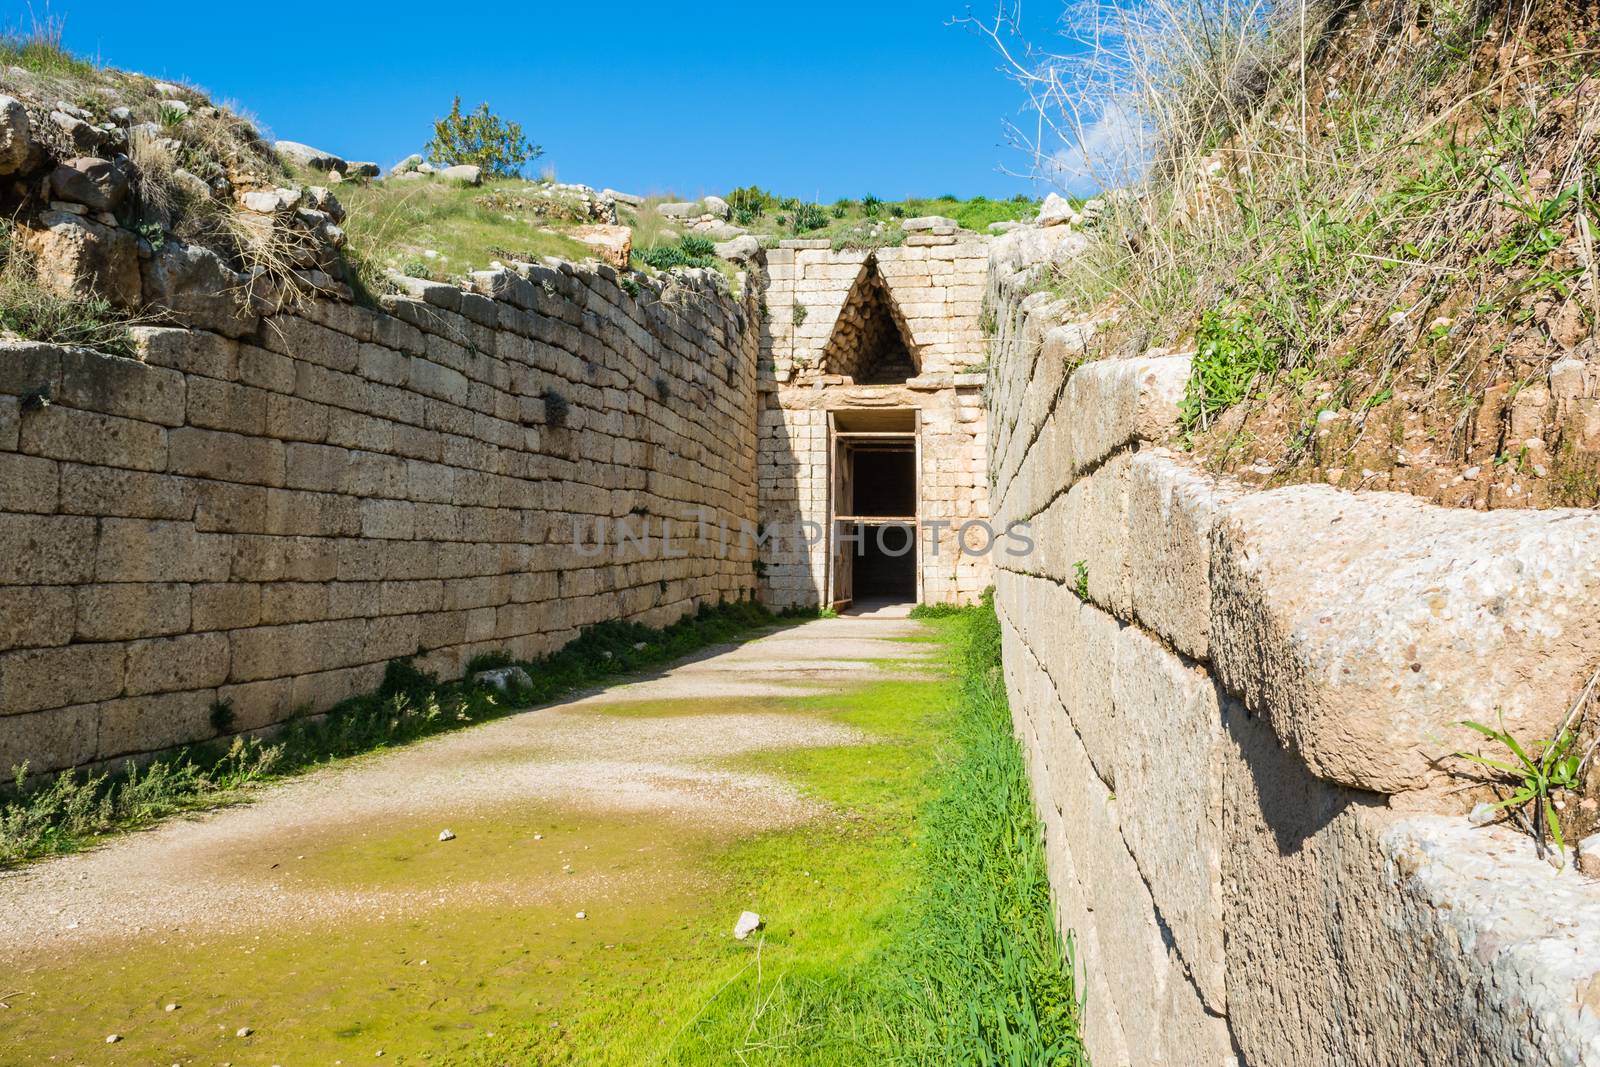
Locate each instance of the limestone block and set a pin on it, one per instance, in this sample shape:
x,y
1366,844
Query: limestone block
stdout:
x,y
1168,770
38,678
185,350
111,491
113,385
10,422
226,457
45,549
297,649
351,600
1172,509
289,418
271,371
1112,402
259,704
48,740
127,610
1364,626
140,550
218,405
172,664
225,606
1413,939
35,616
29,483
154,722
1089,525
88,437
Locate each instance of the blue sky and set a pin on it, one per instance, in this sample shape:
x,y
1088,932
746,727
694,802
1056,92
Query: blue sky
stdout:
x,y
825,99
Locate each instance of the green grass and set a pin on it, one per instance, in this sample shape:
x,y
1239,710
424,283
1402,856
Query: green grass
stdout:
x,y
37,48
913,927
854,228
394,224
73,810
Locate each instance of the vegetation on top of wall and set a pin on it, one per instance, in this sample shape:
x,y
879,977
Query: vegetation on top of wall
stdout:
x,y
73,810
685,252
443,230
1376,222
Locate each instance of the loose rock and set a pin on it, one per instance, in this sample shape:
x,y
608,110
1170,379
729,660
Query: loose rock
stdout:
x,y
1056,211
678,210
307,156
17,148
465,173
79,257
749,922
613,243
98,184
501,678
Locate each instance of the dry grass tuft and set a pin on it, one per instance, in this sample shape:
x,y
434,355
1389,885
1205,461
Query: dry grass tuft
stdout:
x,y
1376,213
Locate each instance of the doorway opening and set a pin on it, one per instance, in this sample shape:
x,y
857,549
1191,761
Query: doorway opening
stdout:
x,y
875,530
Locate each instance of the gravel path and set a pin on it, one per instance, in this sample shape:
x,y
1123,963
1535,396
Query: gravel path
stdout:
x,y
221,873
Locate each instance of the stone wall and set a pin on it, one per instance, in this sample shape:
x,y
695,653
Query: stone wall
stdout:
x,y
267,517
1234,737
935,284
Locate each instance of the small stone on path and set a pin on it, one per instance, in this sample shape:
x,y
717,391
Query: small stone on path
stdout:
x,y
749,922
446,835
112,1039
583,915
244,1031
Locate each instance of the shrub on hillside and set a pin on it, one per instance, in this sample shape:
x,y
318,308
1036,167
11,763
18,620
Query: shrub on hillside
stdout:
x,y
483,139
689,252
809,217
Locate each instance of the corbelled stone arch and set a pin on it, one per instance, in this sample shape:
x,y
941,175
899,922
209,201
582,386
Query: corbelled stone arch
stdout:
x,y
871,344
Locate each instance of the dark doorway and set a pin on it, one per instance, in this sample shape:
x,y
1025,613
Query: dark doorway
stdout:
x,y
885,561
885,482
881,484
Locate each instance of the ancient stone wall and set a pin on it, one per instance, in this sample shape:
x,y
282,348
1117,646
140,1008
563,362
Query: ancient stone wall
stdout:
x,y
266,518
935,285
1233,706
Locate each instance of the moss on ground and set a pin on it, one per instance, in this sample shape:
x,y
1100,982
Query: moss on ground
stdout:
x,y
908,925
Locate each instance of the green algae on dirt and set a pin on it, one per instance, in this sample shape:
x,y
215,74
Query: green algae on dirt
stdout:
x,y
503,971
426,977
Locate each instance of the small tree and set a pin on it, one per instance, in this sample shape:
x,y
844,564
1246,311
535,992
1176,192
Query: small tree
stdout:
x,y
483,139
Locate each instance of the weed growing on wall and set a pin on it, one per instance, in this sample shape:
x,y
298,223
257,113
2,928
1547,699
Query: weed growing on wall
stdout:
x,y
1539,774
1080,579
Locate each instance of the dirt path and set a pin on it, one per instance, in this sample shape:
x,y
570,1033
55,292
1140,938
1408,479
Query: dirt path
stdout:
x,y
602,802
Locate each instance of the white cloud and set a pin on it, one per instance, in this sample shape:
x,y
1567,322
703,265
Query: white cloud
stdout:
x,y
1110,151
